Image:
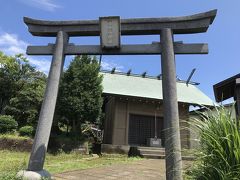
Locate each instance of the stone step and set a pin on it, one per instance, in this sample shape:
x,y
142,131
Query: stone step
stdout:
x,y
151,148
153,156
158,153
157,156
152,151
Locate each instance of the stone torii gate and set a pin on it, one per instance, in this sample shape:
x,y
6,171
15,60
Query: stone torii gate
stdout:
x,y
110,30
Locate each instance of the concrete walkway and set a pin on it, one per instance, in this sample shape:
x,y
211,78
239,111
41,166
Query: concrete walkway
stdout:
x,y
149,169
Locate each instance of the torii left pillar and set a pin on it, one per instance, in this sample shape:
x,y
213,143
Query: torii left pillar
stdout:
x,y
35,167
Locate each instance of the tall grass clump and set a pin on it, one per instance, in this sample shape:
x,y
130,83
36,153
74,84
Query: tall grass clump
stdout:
x,y
218,157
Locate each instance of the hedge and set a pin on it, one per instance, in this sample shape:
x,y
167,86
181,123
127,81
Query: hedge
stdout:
x,y
7,124
26,131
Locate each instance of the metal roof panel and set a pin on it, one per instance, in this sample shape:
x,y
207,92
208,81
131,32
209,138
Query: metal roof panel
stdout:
x,y
119,84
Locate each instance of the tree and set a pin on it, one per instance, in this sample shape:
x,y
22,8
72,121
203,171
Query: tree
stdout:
x,y
80,94
7,124
21,89
25,105
9,75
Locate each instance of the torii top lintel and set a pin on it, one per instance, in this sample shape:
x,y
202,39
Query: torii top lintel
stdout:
x,y
196,23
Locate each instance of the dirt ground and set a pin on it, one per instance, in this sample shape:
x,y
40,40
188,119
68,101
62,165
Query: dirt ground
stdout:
x,y
147,169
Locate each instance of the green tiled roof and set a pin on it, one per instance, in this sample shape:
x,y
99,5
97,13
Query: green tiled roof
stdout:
x,y
119,84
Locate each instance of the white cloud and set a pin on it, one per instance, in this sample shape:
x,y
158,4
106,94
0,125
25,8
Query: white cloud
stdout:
x,y
11,45
108,65
42,65
47,5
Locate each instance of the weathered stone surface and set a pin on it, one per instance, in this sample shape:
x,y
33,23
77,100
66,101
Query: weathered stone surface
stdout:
x,y
33,175
134,49
170,108
48,106
137,26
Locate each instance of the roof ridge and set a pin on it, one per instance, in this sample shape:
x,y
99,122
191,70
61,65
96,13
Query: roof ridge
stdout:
x,y
159,77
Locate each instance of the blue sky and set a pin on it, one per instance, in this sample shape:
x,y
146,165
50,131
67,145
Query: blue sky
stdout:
x,y
223,35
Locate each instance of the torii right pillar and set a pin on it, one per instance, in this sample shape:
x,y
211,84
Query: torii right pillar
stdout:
x,y
170,105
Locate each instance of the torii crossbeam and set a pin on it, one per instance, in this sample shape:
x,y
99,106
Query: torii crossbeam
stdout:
x,y
165,27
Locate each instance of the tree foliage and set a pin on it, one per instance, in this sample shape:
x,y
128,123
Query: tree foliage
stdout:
x,y
21,89
79,99
26,131
9,76
7,124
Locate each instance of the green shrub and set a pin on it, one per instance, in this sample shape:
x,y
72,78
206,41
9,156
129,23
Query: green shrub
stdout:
x,y
7,124
26,131
219,152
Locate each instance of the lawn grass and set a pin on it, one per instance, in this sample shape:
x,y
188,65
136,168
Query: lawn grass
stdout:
x,y
14,136
11,162
65,162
